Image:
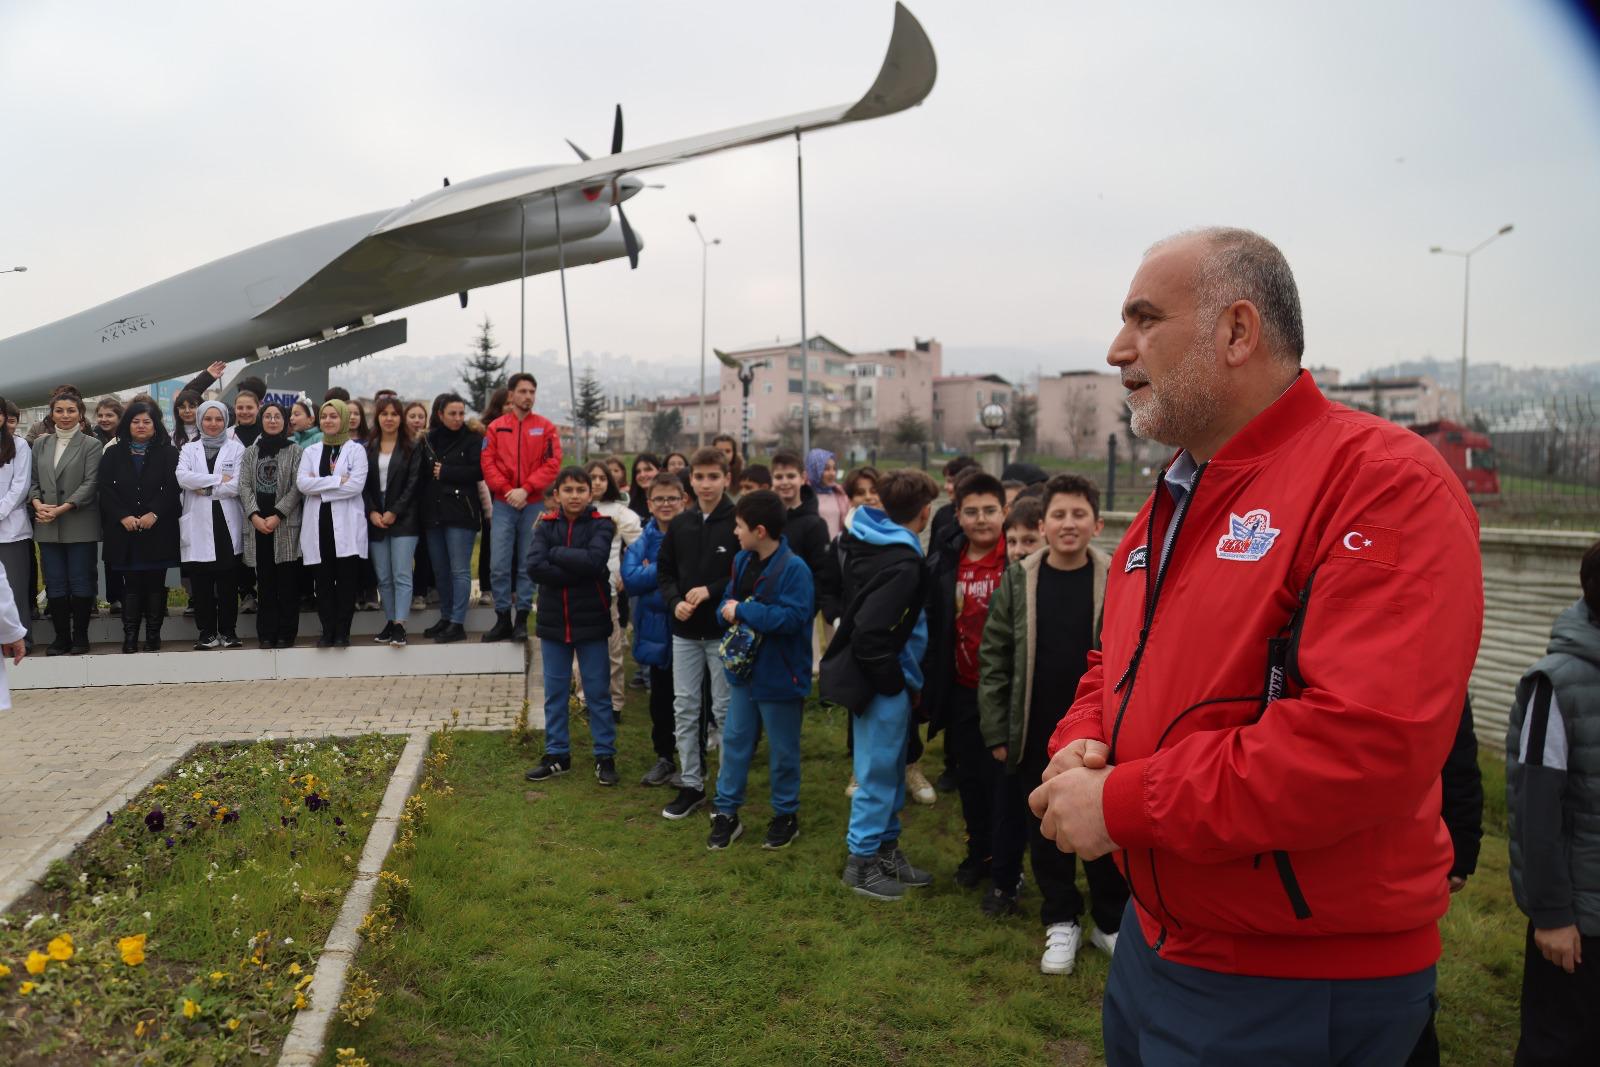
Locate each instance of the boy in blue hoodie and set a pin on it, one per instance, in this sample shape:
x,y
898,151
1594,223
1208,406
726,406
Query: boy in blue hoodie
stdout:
x,y
771,597
652,633
871,668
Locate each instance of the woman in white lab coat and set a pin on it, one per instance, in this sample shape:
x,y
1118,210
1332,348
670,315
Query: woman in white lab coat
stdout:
x,y
16,532
211,528
333,527
12,634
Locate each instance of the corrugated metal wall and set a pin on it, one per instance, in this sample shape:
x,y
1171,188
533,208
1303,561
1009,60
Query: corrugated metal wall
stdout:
x,y
1529,577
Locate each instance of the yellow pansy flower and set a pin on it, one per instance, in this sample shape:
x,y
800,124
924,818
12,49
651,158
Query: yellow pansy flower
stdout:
x,y
300,1002
27,987
37,962
140,1027
190,1008
5,972
60,948
132,949
233,1024
294,968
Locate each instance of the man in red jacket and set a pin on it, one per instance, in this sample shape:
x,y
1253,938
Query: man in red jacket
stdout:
x,y
521,458
1289,627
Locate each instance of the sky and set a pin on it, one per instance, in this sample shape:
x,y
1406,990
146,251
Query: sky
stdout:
x,y
1008,212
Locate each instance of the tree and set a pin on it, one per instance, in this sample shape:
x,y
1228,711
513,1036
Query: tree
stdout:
x,y
665,426
483,371
1025,421
591,403
909,430
1079,415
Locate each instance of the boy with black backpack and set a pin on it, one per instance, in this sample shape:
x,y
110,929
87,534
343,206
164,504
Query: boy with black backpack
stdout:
x,y
872,668
767,656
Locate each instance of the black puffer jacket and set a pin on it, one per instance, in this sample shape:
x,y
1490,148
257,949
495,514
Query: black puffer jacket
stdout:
x,y
570,561
939,665
808,539
451,499
698,550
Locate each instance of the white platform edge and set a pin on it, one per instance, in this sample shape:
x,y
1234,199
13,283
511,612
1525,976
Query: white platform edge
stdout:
x,y
309,1035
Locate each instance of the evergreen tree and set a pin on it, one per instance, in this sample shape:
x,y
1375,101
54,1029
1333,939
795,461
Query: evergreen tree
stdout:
x,y
591,402
483,372
665,426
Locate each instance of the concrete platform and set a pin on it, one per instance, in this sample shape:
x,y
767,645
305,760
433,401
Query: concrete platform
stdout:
x,y
107,629
179,662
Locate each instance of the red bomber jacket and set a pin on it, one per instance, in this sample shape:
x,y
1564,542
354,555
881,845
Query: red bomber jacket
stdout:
x,y
1280,702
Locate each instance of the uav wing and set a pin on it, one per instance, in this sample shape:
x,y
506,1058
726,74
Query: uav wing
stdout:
x,y
904,80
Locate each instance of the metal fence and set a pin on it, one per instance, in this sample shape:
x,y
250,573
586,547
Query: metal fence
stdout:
x,y
1544,456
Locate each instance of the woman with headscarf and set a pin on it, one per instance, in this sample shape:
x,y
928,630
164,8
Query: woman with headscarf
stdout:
x,y
452,510
212,527
140,508
822,474
16,533
66,521
271,501
333,530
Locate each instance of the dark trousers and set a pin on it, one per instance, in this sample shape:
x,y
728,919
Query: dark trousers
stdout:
x,y
337,579
247,575
1157,1013
114,590
422,570
483,557
215,588
663,721
976,770
1560,1011
278,595
1016,829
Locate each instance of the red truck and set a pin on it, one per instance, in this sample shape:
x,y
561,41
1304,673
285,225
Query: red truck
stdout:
x,y
1469,453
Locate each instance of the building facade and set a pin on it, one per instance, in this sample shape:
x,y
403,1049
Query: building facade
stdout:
x,y
1407,401
1079,410
958,402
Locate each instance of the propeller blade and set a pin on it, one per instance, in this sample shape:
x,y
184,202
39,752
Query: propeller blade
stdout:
x,y
629,240
616,132
463,296
447,183
581,153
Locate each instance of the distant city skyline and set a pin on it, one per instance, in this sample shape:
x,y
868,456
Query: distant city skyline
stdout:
x,y
1008,212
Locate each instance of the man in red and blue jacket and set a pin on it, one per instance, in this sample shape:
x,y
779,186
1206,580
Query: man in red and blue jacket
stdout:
x,y
521,456
1289,627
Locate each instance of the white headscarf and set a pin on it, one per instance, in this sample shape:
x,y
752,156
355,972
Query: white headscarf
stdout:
x,y
211,443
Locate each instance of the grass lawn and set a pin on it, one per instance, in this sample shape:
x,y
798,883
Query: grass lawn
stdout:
x,y
566,923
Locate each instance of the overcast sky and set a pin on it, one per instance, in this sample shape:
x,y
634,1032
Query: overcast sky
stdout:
x,y
1010,209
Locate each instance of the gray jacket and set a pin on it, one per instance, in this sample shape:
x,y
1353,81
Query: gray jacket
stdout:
x,y
76,481
1553,779
286,538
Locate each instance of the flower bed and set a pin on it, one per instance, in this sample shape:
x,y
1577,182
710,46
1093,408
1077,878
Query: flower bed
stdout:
x,y
185,931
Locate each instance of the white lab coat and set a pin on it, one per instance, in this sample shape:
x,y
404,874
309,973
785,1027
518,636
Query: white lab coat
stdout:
x,y
11,629
628,531
198,545
349,513
14,478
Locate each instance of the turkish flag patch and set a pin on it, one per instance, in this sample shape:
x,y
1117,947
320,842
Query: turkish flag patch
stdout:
x,y
1376,543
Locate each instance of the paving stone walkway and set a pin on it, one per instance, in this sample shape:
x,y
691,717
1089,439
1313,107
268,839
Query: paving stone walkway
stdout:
x,y
69,755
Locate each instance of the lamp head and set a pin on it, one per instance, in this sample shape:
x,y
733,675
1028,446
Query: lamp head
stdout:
x,y
1436,249
1506,228
692,218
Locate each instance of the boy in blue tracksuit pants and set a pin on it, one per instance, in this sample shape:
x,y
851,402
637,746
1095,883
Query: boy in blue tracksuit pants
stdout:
x,y
771,594
872,668
652,632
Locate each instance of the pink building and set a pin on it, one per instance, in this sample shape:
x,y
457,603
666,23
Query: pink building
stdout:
x,y
1078,411
957,403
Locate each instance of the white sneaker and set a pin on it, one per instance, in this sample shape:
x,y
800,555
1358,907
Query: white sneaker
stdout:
x,y
850,790
419,603
1060,948
918,786
1103,941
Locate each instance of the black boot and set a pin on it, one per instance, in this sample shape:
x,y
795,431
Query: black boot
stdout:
x,y
519,631
155,611
130,627
60,612
501,628
81,607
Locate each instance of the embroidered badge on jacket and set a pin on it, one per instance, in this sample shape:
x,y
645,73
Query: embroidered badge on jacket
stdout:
x,y
1248,537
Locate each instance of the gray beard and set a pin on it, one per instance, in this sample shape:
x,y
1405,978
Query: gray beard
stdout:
x,y
1175,413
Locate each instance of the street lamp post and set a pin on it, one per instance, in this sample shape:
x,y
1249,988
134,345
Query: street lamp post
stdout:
x,y
993,416
1466,296
705,254
747,375
14,270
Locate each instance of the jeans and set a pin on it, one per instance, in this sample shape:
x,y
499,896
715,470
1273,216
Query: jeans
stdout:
x,y
1157,1013
746,715
880,766
69,569
594,670
511,538
451,549
690,659
393,558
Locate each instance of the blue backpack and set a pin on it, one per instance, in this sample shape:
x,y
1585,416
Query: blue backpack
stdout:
x,y
741,644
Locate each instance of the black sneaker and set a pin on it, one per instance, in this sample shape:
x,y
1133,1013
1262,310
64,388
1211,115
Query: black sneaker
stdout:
x,y
453,631
904,873
725,830
384,634
973,870
605,771
519,628
549,767
208,643
686,803
869,876
397,637
946,782
781,832
433,631
997,904
325,641
231,641
661,773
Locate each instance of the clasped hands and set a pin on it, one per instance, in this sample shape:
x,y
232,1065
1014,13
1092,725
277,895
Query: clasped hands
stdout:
x,y
134,523
1068,800
691,600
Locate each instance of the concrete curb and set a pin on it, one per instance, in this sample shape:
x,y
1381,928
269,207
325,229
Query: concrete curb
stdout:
x,y
17,886
309,1035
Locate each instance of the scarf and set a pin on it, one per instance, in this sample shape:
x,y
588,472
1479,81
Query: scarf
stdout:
x,y
442,440
816,460
335,440
63,439
247,435
139,448
269,444
212,444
